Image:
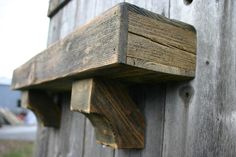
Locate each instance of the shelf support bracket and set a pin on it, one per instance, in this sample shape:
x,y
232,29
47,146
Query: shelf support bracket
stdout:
x,y
117,121
47,112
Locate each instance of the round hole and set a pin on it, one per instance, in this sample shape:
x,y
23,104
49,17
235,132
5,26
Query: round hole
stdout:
x,y
187,94
187,2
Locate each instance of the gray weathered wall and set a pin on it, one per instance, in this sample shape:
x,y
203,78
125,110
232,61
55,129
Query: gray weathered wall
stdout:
x,y
204,124
184,119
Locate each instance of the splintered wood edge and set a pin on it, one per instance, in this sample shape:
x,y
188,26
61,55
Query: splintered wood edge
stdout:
x,y
47,112
117,121
119,51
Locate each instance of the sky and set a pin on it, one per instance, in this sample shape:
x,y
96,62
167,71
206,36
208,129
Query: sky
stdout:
x,y
23,32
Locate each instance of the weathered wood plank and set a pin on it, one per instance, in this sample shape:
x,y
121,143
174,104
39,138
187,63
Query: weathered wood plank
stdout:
x,y
55,6
151,101
54,28
78,52
94,149
154,110
49,139
77,55
62,136
41,145
91,148
77,134
85,11
151,37
149,96
202,123
67,24
115,117
69,139
42,104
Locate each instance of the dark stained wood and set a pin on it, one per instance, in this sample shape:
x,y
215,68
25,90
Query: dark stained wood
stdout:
x,y
123,35
42,104
117,120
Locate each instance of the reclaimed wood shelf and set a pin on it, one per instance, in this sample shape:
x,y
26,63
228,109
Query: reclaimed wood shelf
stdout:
x,y
126,43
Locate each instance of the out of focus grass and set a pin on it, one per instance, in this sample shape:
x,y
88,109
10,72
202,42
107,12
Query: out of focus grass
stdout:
x,y
16,148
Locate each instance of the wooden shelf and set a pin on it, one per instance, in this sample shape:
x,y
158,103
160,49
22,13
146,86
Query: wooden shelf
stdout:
x,y
126,43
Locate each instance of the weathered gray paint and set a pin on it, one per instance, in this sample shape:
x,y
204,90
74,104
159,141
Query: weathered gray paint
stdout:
x,y
186,119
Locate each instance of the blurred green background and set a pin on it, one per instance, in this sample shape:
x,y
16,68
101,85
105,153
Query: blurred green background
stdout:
x,y
11,148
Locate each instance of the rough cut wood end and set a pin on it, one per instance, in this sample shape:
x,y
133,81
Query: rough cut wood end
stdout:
x,y
125,42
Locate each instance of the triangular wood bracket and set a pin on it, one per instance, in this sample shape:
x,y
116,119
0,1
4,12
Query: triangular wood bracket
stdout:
x,y
117,121
47,112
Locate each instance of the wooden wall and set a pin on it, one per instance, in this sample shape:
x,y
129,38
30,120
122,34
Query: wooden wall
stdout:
x,y
184,119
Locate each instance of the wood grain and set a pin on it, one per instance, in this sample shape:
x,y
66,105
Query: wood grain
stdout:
x,y
203,123
76,53
115,117
82,139
150,99
55,6
155,42
42,105
124,35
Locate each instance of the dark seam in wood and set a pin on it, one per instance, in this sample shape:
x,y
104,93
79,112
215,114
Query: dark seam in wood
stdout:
x,y
163,120
123,34
84,134
56,9
170,46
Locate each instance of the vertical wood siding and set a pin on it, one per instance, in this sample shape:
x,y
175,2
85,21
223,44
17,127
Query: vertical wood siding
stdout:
x,y
203,123
184,119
